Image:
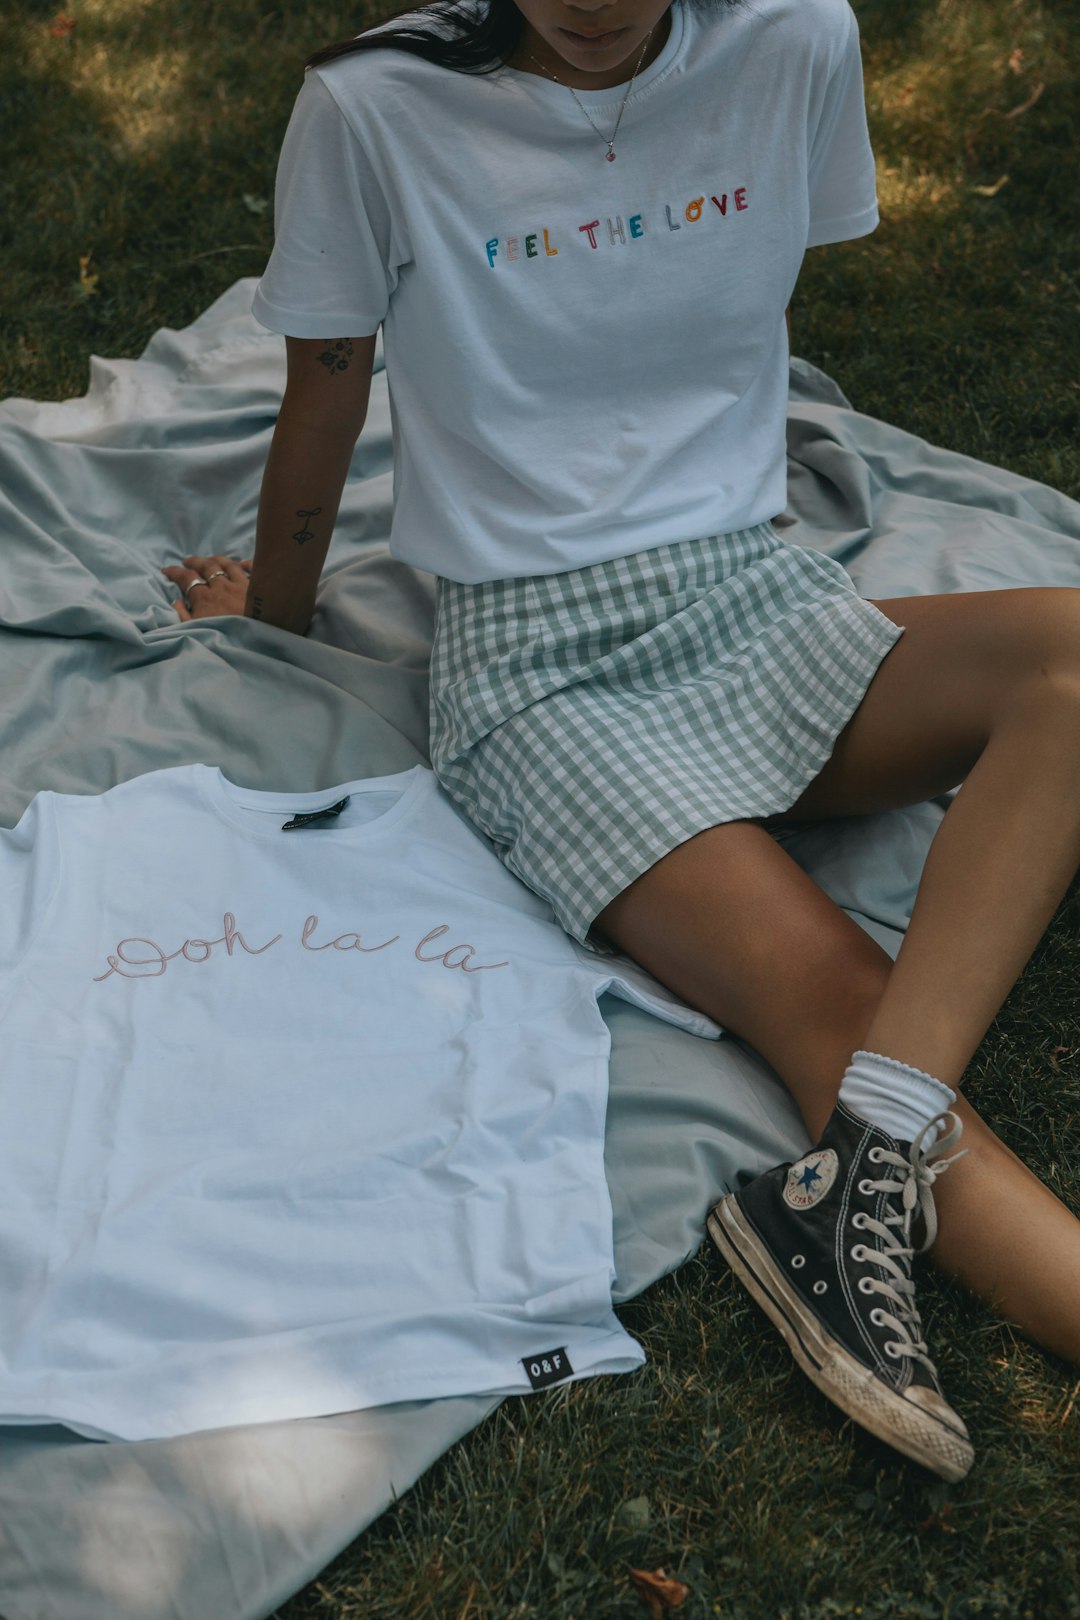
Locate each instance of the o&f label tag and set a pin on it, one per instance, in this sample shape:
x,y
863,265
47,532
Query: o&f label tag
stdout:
x,y
809,1180
547,1368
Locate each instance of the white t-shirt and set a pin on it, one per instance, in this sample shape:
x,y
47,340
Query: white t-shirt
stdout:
x,y
293,1122
584,359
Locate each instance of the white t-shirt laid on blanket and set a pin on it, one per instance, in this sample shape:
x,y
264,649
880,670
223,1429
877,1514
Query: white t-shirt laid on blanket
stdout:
x,y
584,359
293,1122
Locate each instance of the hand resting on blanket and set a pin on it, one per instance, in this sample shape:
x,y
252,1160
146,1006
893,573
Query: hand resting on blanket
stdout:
x,y
226,592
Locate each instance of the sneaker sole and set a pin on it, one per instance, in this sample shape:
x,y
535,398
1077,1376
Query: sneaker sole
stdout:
x,y
835,1371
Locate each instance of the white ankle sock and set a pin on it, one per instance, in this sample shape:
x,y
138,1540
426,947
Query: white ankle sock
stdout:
x,y
894,1095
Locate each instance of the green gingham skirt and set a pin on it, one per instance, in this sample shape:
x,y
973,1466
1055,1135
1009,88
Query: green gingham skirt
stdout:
x,y
590,721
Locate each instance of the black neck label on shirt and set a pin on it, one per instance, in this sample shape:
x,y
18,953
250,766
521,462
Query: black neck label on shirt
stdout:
x,y
548,1368
313,817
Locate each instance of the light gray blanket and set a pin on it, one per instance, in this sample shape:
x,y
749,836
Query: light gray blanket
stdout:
x,y
100,682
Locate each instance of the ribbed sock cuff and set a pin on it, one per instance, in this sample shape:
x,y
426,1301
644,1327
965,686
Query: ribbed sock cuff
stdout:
x,y
896,1096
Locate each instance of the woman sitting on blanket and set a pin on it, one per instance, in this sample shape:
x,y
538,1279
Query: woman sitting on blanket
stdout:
x,y
581,251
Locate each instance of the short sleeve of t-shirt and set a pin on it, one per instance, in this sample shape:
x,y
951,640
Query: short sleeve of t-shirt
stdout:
x,y
333,234
842,184
29,877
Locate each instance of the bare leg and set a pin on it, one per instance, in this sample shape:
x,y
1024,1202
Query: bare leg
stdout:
x,y
998,868
984,689
735,927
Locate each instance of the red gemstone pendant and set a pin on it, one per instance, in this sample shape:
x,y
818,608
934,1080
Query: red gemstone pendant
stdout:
x,y
611,157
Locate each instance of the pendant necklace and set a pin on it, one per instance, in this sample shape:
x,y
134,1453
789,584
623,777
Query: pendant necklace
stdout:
x,y
610,153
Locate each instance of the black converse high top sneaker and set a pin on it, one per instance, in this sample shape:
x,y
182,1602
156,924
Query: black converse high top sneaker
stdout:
x,y
824,1246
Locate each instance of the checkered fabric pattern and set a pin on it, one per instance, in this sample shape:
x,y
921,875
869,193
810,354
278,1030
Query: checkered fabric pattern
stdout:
x,y
588,722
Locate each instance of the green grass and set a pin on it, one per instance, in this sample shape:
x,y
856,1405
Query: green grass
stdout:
x,y
146,138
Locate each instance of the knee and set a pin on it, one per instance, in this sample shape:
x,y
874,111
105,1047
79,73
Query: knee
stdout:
x,y
1055,619
1042,661
1049,704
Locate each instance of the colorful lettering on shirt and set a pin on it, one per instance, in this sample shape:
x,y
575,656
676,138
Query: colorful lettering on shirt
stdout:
x,y
492,247
509,247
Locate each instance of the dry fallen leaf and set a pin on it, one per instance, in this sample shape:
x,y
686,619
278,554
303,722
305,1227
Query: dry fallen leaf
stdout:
x,y
659,1591
61,25
992,191
1016,60
87,284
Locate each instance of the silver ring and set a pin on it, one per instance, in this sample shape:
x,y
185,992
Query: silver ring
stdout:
x,y
189,588
217,574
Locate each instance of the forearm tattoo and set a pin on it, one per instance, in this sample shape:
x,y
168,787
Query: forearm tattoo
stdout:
x,y
302,536
337,356
256,608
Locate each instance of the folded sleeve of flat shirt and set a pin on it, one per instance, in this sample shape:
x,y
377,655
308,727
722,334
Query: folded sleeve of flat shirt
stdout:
x,y
623,977
841,175
333,232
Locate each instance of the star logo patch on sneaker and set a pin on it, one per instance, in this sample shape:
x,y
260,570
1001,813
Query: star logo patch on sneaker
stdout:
x,y
809,1180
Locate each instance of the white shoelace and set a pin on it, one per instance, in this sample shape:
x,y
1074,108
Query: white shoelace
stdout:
x,y
919,1171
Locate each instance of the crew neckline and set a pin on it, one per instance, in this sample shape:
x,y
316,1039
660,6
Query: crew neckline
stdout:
x,y
644,84
228,801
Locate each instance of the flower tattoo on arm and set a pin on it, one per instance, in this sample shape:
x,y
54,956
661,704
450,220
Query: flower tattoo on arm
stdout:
x,y
337,356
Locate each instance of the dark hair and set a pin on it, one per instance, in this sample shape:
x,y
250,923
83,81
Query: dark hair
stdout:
x,y
486,38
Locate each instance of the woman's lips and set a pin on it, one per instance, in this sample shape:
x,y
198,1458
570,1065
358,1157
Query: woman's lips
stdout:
x,y
598,42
